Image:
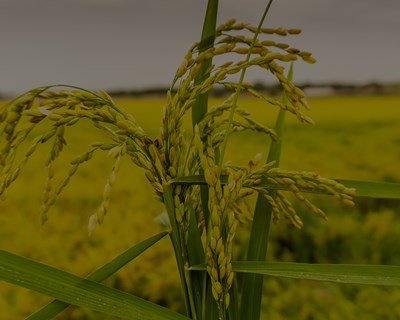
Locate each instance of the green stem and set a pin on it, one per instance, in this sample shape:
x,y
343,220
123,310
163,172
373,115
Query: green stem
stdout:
x,y
239,88
176,243
190,292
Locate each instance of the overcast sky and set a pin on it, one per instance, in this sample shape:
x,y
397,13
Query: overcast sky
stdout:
x,y
124,44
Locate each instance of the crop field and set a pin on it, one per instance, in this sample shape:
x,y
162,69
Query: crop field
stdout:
x,y
354,137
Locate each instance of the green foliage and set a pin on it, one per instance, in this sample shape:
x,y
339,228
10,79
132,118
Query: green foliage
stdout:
x,y
77,291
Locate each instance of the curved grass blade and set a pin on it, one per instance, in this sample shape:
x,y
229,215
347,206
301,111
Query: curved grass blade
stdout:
x,y
75,290
384,275
55,307
373,189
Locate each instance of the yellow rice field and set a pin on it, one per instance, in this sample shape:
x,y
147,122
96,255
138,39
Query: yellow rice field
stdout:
x,y
354,137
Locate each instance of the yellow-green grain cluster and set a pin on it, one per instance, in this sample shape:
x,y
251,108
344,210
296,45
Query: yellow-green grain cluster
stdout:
x,y
273,181
63,109
266,54
221,228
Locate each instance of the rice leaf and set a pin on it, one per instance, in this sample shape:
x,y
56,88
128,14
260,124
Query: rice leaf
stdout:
x,y
78,291
366,274
373,189
55,307
384,275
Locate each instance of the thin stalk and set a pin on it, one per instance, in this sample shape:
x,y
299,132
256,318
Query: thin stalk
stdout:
x,y
189,286
176,243
233,310
199,109
195,255
239,88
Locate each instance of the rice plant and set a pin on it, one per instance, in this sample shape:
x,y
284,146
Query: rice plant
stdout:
x,y
206,197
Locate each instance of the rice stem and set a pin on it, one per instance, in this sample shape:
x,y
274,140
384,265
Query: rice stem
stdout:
x,y
239,88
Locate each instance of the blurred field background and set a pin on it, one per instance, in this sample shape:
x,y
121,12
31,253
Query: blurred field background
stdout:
x,y
354,137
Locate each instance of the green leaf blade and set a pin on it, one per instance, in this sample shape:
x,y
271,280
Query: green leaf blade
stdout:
x,y
373,189
55,307
385,275
78,291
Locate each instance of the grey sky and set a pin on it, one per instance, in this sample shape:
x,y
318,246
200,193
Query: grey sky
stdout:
x,y
123,44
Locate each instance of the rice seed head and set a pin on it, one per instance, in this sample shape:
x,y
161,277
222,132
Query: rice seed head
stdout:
x,y
229,280
309,59
43,214
294,31
214,293
222,259
182,68
92,223
219,247
227,300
